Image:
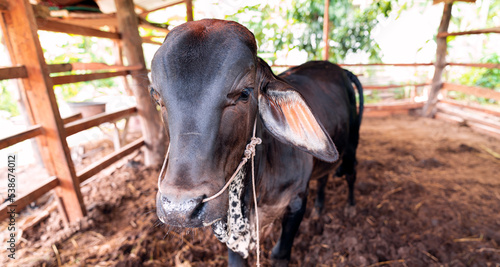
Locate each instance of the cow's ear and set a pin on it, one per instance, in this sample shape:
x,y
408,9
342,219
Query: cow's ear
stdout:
x,y
288,118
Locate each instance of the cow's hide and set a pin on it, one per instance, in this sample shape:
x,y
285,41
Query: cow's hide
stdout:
x,y
236,231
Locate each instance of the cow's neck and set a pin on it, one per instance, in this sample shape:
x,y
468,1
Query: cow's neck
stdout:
x,y
276,176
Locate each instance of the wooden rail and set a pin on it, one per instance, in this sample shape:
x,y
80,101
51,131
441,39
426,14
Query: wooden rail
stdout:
x,y
147,25
480,31
13,73
25,199
72,118
391,86
383,110
56,26
458,104
86,123
109,159
402,106
65,67
31,132
368,65
467,116
149,40
64,79
389,64
477,65
472,90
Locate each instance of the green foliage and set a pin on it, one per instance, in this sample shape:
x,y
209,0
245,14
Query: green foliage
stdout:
x,y
488,78
371,98
301,26
7,101
75,48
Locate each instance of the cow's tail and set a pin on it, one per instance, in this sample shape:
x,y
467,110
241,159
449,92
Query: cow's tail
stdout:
x,y
354,79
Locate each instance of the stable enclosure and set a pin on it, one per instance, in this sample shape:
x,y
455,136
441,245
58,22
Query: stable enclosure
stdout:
x,y
412,170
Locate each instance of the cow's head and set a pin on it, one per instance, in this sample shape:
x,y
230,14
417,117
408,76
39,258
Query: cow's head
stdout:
x,y
211,86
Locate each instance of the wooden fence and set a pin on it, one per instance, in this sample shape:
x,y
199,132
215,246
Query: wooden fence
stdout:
x,y
19,26
410,105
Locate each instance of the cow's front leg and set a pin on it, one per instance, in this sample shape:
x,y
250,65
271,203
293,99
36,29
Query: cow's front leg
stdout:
x,y
290,225
235,259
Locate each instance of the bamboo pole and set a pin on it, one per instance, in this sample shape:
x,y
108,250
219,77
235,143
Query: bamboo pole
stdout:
x,y
430,105
152,127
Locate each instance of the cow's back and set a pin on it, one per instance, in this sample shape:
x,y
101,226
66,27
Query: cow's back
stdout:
x,y
329,93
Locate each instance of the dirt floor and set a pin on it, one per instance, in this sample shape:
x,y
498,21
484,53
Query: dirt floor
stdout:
x,y
428,194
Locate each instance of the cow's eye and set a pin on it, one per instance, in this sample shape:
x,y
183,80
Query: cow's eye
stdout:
x,y
245,94
155,96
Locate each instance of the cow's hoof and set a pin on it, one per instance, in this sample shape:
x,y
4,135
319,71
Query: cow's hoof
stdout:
x,y
278,258
315,214
350,211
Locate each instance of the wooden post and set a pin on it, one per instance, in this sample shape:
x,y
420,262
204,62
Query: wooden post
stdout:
x,y
117,51
440,64
152,127
22,31
189,10
326,29
25,109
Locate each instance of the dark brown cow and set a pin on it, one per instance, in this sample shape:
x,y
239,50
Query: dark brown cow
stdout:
x,y
212,88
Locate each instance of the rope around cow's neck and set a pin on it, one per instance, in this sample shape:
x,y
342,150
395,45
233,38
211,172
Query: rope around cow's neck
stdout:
x,y
248,154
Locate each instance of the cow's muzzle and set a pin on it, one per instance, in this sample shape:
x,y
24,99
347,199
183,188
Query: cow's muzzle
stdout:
x,y
181,212
185,207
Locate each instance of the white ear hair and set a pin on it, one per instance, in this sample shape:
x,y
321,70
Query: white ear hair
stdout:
x,y
288,118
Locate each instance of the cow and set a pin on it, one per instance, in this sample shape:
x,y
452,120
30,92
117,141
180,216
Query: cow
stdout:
x,y
216,96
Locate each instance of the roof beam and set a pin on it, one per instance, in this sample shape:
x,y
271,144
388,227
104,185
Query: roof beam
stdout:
x,y
144,14
56,26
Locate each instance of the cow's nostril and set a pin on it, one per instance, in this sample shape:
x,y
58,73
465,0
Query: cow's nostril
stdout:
x,y
198,209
